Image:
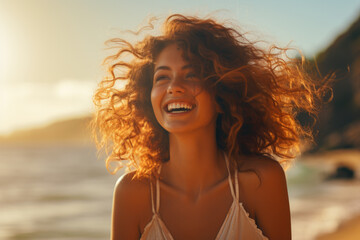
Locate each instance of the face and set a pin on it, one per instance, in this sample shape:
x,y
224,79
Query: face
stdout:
x,y
178,99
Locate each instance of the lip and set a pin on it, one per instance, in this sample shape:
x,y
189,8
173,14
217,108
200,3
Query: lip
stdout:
x,y
179,100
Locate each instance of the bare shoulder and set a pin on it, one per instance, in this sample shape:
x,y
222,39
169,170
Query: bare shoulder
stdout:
x,y
131,193
130,206
130,187
269,200
266,171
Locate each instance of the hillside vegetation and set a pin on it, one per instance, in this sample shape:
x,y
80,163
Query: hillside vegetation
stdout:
x,y
339,121
67,131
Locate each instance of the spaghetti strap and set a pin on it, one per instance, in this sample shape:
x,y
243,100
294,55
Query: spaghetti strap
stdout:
x,y
158,190
236,225
157,199
157,195
152,197
236,183
229,177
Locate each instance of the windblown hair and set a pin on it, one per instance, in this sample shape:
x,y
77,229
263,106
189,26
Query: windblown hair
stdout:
x,y
260,93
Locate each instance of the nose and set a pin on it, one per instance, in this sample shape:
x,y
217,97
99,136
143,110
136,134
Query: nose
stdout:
x,y
175,86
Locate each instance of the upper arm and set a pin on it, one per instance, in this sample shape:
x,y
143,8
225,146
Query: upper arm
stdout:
x,y
272,203
126,209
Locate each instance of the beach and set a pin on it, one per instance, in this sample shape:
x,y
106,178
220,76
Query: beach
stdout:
x,y
348,230
348,225
64,192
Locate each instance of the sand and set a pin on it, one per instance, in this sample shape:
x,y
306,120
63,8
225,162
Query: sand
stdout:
x,y
349,230
327,162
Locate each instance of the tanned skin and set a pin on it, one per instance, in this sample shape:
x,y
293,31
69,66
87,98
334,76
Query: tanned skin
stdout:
x,y
195,194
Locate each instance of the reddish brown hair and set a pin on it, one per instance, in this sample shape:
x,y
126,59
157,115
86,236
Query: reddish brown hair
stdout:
x,y
260,94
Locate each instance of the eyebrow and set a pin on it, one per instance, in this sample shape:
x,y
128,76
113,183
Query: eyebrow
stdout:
x,y
168,68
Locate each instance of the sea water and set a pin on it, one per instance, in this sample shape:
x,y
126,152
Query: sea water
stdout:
x,y
319,206
64,192
54,192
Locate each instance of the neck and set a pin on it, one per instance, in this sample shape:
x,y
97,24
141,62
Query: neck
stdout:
x,y
196,164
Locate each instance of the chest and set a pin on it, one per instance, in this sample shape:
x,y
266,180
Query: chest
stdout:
x,y
200,219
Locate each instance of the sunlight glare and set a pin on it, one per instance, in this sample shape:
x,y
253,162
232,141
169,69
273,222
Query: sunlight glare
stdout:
x,y
6,52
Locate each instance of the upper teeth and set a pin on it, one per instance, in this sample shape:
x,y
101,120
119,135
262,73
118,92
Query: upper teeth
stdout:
x,y
177,105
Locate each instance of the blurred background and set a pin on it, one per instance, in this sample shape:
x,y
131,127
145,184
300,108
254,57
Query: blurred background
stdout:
x,y
53,184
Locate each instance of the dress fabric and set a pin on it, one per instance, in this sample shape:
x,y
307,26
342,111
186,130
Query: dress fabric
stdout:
x,y
236,226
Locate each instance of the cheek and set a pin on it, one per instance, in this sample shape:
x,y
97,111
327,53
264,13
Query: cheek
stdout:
x,y
155,100
195,88
210,105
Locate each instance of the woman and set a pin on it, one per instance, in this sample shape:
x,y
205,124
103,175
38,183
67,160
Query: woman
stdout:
x,y
203,117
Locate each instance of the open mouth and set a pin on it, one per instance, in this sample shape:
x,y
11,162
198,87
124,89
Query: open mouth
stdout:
x,y
178,107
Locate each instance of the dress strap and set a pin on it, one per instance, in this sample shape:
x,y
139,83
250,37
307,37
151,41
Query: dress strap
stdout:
x,y
157,200
152,197
158,191
230,180
236,176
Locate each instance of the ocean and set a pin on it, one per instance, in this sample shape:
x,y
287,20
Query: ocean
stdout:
x,y
64,192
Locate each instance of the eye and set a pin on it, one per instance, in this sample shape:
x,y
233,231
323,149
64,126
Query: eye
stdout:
x,y
190,75
161,77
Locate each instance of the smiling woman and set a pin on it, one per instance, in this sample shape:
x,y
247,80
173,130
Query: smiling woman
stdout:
x,y
203,117
177,97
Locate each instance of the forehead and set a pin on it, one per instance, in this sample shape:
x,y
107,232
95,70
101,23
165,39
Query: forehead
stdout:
x,y
171,55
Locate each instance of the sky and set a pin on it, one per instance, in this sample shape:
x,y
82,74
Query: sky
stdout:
x,y
51,50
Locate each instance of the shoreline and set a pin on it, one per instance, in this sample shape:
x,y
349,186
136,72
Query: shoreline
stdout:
x,y
326,209
347,230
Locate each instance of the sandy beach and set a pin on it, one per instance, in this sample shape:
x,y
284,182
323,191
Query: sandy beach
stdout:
x,y
326,209
77,193
348,230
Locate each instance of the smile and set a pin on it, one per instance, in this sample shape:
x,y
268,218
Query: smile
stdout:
x,y
178,107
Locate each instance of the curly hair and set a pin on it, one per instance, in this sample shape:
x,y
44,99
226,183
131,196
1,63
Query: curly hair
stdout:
x,y
260,94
